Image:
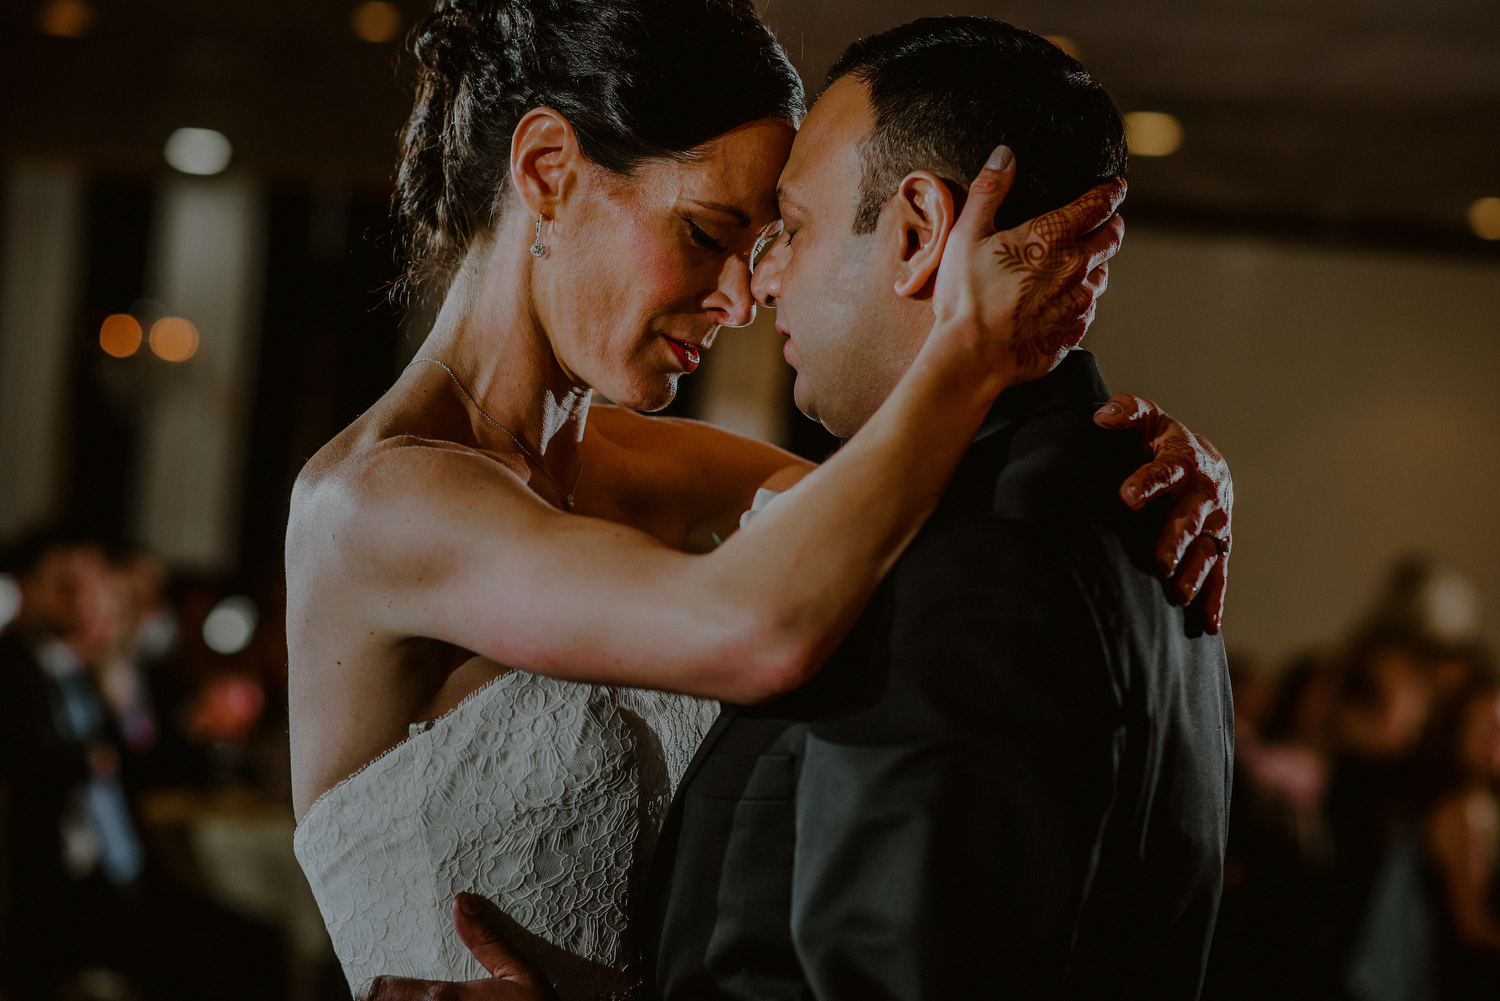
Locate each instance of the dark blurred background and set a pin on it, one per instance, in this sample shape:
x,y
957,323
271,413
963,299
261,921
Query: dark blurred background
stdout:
x,y
195,256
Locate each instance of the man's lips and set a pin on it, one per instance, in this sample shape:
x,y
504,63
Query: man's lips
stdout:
x,y
687,354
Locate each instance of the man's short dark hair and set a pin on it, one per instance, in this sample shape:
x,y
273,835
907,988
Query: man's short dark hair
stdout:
x,y
947,90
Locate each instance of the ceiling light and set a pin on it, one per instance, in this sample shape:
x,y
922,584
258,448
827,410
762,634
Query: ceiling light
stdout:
x,y
376,21
198,151
174,339
65,18
1152,133
120,335
1484,218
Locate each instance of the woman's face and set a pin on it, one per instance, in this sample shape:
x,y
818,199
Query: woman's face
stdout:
x,y
641,271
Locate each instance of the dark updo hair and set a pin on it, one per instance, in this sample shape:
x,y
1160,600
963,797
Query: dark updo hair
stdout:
x,y
638,80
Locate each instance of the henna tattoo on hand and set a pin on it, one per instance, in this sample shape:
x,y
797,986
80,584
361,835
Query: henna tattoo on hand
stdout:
x,y
1052,299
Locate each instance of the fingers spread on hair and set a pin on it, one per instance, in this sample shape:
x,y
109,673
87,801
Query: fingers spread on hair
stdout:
x,y
1090,210
1104,242
1097,280
986,193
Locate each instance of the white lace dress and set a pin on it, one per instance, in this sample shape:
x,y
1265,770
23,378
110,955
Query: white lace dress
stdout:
x,y
544,796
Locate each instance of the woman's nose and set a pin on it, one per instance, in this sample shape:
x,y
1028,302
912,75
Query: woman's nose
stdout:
x,y
765,280
732,299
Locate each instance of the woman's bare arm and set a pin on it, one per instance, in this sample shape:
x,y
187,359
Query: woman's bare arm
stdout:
x,y
447,544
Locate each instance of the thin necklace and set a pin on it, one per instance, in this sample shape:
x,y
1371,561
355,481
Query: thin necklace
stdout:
x,y
567,494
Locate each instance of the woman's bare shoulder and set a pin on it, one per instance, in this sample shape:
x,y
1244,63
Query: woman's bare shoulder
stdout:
x,y
361,481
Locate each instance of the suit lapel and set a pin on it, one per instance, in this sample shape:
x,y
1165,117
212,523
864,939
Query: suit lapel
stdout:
x,y
705,749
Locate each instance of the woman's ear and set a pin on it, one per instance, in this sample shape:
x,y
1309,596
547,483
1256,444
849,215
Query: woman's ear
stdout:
x,y
544,160
924,213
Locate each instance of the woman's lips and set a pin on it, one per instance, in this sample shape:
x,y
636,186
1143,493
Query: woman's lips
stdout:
x,y
687,354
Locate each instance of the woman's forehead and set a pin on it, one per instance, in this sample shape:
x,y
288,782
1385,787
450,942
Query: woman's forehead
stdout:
x,y
740,168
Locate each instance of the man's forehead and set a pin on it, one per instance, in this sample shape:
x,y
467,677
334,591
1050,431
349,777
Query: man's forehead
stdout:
x,y
826,151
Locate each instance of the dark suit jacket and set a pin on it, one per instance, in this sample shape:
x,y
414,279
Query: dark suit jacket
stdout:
x,y
1011,781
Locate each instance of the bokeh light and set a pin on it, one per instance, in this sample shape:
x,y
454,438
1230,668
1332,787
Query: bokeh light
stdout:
x,y
1152,133
376,21
174,339
10,599
1067,44
1484,218
65,18
120,335
198,151
231,625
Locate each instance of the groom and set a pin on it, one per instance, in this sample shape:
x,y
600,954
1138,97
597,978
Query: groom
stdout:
x,y
1012,779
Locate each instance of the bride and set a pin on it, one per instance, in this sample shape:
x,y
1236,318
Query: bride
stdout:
x,y
500,641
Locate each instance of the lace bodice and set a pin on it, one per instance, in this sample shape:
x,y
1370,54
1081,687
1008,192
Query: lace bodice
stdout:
x,y
545,796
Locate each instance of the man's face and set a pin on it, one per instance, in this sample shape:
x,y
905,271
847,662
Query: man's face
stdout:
x,y
850,336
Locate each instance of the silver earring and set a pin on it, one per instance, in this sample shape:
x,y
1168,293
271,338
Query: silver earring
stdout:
x,y
538,249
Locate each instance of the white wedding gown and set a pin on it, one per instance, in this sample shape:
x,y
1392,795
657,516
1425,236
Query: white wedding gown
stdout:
x,y
545,796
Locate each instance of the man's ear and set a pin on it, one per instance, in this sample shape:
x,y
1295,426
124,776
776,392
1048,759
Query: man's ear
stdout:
x,y
923,213
545,160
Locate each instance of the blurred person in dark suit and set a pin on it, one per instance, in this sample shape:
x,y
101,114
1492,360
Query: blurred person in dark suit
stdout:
x,y
72,842
82,892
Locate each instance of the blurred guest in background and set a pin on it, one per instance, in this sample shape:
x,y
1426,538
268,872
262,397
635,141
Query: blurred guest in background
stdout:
x,y
1458,816
1364,831
84,895
74,850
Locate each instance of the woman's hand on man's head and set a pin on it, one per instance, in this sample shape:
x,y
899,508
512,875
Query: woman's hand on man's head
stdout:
x,y
1027,294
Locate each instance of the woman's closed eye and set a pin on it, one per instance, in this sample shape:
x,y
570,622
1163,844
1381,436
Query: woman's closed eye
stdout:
x,y
704,240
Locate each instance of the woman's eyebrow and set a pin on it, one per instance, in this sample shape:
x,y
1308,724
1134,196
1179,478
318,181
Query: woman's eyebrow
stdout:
x,y
729,210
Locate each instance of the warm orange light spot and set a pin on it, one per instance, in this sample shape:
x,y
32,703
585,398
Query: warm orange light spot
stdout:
x,y
65,18
1484,218
120,335
1065,43
376,21
1152,133
174,339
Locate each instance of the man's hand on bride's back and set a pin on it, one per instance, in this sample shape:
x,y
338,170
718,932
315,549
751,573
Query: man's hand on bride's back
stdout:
x,y
1027,293
512,977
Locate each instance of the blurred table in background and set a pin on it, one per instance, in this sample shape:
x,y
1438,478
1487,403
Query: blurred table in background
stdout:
x,y
235,847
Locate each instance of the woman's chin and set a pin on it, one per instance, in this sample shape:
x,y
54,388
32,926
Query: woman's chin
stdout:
x,y
646,393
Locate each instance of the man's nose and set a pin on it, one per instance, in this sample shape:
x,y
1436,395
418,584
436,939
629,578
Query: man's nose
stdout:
x,y
765,280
